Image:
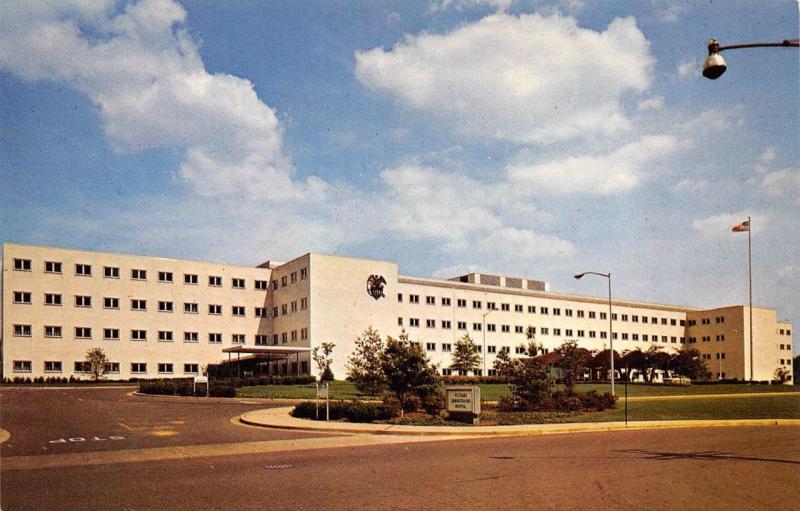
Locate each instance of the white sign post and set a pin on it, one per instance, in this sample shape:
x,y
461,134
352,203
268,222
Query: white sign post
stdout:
x,y
464,403
200,379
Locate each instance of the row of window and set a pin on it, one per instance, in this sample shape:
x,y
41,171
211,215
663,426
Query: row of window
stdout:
x,y
784,331
113,272
291,278
56,366
555,311
518,329
113,334
140,304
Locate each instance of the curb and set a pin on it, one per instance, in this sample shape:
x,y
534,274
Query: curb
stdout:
x,y
282,420
216,400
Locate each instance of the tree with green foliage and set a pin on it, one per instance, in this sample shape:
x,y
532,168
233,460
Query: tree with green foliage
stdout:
x,y
633,360
408,371
572,362
465,356
531,385
322,357
688,363
796,370
503,365
97,360
364,367
781,375
531,348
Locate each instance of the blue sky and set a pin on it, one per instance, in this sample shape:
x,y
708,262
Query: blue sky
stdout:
x,y
537,138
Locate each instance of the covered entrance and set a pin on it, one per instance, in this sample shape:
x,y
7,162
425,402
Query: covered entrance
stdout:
x,y
265,361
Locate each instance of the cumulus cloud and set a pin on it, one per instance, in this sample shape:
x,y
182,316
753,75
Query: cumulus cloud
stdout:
x,y
442,5
654,103
689,69
527,78
143,72
605,174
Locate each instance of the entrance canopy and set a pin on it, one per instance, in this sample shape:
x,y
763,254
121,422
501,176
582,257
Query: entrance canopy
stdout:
x,y
257,356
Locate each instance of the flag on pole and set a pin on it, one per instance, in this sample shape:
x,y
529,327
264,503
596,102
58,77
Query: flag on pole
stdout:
x,y
742,227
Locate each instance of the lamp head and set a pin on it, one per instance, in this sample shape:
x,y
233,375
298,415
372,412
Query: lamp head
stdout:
x,y
714,65
579,276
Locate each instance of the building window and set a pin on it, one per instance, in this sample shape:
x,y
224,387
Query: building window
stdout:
x,y
491,348
165,276
430,300
461,325
413,298
22,330
274,312
237,283
446,325
400,321
82,332
518,308
261,285
52,331
603,315
22,297
165,335
284,281
52,267
190,308
111,334
294,306
138,304
568,332
445,302
430,346
189,336
303,273
215,281
477,327
400,297
413,322
476,304
138,335
491,327
139,274
138,367
505,307
518,329
505,328
110,272
112,368
293,277
491,306
238,310
22,366
284,337
111,303
82,367
190,278
52,366
460,302
430,323
237,339
191,368
544,310
22,265
447,347
215,338
261,312
284,309
556,311
83,301
165,306
84,270
303,304
304,333
52,299
556,331
261,340
215,309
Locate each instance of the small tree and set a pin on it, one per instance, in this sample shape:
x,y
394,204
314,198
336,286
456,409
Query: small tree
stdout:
x,y
503,364
531,384
408,371
781,375
322,357
688,363
97,360
465,355
364,366
573,360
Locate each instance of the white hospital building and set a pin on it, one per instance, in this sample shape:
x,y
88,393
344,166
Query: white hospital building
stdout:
x,y
158,317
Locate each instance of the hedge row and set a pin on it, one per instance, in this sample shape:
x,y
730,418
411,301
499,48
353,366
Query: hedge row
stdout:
x,y
353,411
265,380
472,380
176,387
561,401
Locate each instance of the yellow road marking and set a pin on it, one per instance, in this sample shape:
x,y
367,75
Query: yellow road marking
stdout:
x,y
203,451
164,432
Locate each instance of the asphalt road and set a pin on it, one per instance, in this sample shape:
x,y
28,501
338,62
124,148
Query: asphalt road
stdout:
x,y
721,468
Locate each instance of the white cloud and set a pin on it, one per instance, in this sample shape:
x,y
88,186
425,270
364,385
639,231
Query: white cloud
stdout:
x,y
781,183
721,224
526,78
442,5
654,103
144,73
604,174
667,12
688,185
689,68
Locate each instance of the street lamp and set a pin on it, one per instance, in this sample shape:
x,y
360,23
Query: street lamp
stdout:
x,y
714,65
484,339
610,326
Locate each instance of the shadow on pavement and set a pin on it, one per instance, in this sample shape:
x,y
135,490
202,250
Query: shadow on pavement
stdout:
x,y
701,455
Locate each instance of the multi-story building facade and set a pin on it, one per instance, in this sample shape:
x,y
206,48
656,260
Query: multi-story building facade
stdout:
x,y
158,317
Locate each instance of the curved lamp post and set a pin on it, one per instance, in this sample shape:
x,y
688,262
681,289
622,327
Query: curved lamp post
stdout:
x,y
610,326
715,65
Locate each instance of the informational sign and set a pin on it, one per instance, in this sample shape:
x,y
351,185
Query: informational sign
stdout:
x,y
201,379
465,400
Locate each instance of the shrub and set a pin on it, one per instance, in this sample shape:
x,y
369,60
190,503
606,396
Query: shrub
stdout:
x,y
472,380
353,411
511,404
222,390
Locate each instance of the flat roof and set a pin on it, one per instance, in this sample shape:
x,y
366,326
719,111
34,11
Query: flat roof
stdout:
x,y
272,350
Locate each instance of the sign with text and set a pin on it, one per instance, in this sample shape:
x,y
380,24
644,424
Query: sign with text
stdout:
x,y
464,400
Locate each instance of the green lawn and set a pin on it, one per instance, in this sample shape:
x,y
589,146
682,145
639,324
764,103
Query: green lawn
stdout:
x,y
493,391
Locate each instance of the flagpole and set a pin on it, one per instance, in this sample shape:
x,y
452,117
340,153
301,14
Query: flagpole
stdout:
x,y
750,286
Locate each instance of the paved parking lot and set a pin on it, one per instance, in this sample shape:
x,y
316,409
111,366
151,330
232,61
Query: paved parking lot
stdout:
x,y
52,421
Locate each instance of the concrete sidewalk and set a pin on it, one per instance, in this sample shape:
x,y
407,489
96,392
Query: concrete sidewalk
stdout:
x,y
280,418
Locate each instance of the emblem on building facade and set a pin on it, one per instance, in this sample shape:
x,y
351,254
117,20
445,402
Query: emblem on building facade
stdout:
x,y
375,284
